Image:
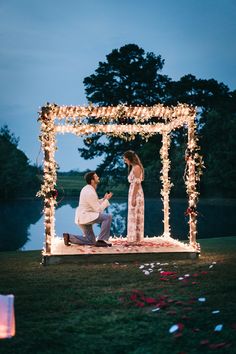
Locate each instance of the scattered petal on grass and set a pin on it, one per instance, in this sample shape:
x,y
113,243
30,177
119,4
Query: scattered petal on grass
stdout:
x,y
179,303
215,312
141,267
188,309
150,300
181,278
201,299
204,342
196,330
156,309
218,345
211,266
187,275
176,327
218,328
146,272
171,313
167,273
173,328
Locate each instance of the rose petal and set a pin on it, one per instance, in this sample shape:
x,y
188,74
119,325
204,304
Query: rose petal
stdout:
x,y
172,313
204,342
173,328
156,309
215,311
218,328
217,345
201,299
176,327
150,300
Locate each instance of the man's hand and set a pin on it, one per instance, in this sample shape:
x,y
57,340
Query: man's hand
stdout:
x,y
108,195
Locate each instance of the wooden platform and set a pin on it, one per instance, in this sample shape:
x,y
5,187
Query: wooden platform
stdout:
x,y
150,245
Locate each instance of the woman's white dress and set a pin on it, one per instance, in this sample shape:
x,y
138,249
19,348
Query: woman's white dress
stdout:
x,y
135,227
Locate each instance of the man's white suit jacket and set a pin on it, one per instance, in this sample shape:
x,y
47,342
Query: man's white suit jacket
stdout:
x,y
89,206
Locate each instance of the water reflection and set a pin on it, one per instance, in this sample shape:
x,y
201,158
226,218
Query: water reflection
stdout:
x,y
22,227
15,219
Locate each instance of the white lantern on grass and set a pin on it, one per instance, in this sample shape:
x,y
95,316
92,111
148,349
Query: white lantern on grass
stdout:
x,y
7,316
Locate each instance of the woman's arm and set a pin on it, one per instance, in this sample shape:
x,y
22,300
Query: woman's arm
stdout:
x,y
137,174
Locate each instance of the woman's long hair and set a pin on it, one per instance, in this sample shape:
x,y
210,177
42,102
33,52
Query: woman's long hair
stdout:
x,y
134,159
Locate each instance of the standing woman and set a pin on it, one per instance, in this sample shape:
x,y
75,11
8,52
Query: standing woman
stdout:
x,y
135,227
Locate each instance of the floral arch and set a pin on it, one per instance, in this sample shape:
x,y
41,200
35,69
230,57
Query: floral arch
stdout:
x,y
124,122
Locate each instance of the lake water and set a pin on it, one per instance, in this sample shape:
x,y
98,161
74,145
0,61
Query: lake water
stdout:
x,y
21,222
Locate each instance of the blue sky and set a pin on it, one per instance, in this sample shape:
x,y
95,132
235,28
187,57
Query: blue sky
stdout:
x,y
49,46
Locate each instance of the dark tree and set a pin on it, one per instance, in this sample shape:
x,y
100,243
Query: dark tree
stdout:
x,y
129,76
17,177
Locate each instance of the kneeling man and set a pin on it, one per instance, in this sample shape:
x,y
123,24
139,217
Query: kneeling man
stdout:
x,y
89,212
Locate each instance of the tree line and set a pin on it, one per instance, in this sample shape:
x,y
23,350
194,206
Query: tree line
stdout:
x,y
133,77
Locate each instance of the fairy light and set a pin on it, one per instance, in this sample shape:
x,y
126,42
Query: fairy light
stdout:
x,y
166,183
123,122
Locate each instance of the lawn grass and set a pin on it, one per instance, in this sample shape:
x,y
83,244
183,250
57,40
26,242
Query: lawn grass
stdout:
x,y
70,186
96,306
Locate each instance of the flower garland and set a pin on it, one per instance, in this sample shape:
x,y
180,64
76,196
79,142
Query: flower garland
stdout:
x,y
193,171
166,183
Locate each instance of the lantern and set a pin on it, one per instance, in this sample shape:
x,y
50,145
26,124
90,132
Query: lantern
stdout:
x,y
7,316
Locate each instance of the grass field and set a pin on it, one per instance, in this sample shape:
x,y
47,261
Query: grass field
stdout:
x,y
105,306
71,186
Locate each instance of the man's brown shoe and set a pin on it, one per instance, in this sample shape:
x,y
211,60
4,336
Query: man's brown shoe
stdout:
x,y
66,238
101,243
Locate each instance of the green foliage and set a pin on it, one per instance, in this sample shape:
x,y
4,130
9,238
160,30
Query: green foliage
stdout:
x,y
132,77
17,177
80,307
219,149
